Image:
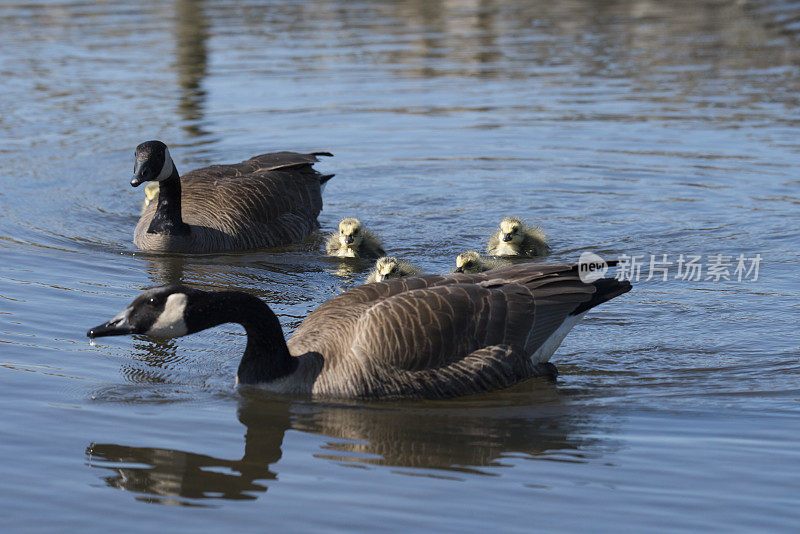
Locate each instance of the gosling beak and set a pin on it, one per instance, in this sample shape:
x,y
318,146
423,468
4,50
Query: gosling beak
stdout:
x,y
460,270
139,171
118,326
349,239
506,237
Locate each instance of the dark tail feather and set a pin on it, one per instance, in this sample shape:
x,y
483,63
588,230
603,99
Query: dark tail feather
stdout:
x,y
322,154
325,177
606,289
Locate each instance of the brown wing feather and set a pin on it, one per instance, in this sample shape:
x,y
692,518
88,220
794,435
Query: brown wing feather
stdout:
x,y
481,371
430,335
263,162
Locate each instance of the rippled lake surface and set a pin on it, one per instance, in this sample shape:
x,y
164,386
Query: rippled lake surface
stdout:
x,y
624,128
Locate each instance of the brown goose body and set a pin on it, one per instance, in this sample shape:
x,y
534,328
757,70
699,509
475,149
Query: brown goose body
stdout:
x,y
441,336
431,336
268,200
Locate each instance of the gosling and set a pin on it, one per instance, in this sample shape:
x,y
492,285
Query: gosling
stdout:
x,y
150,192
354,241
515,238
389,267
470,262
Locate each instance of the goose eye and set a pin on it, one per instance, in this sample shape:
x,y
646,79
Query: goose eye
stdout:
x,y
152,300
355,231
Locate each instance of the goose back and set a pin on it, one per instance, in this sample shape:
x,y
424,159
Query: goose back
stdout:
x,y
441,335
266,201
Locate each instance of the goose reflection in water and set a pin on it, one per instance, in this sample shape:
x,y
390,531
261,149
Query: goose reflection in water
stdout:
x,y
445,438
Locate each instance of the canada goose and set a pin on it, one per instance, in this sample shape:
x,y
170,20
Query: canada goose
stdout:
x,y
150,192
470,262
352,240
389,267
515,238
422,336
268,200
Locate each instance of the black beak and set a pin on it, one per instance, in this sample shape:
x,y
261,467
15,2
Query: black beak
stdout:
x,y
506,237
460,270
118,326
139,170
349,240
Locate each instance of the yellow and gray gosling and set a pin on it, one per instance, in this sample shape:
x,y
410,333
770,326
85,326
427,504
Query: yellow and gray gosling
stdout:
x,y
470,262
150,192
515,238
354,241
389,267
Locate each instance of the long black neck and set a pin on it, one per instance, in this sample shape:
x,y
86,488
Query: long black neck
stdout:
x,y
266,356
167,219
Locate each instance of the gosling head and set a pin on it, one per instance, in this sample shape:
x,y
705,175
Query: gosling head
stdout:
x,y
152,164
150,192
161,312
387,267
351,233
469,262
511,230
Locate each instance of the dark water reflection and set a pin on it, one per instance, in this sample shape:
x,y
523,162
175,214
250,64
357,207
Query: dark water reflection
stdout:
x,y
191,34
444,439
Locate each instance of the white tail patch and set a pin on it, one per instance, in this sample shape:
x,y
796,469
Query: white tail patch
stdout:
x,y
167,168
171,322
546,350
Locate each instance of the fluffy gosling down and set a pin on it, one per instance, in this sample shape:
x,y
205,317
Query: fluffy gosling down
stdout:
x,y
389,267
470,262
150,192
354,241
515,238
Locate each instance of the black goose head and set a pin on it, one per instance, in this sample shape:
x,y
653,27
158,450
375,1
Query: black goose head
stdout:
x,y
159,312
152,163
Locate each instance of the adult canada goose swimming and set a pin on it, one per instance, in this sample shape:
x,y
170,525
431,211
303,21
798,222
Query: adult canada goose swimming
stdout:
x,y
389,267
268,200
515,238
352,240
470,262
423,336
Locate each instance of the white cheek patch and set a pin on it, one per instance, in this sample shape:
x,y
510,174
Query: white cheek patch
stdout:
x,y
121,316
171,323
167,168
